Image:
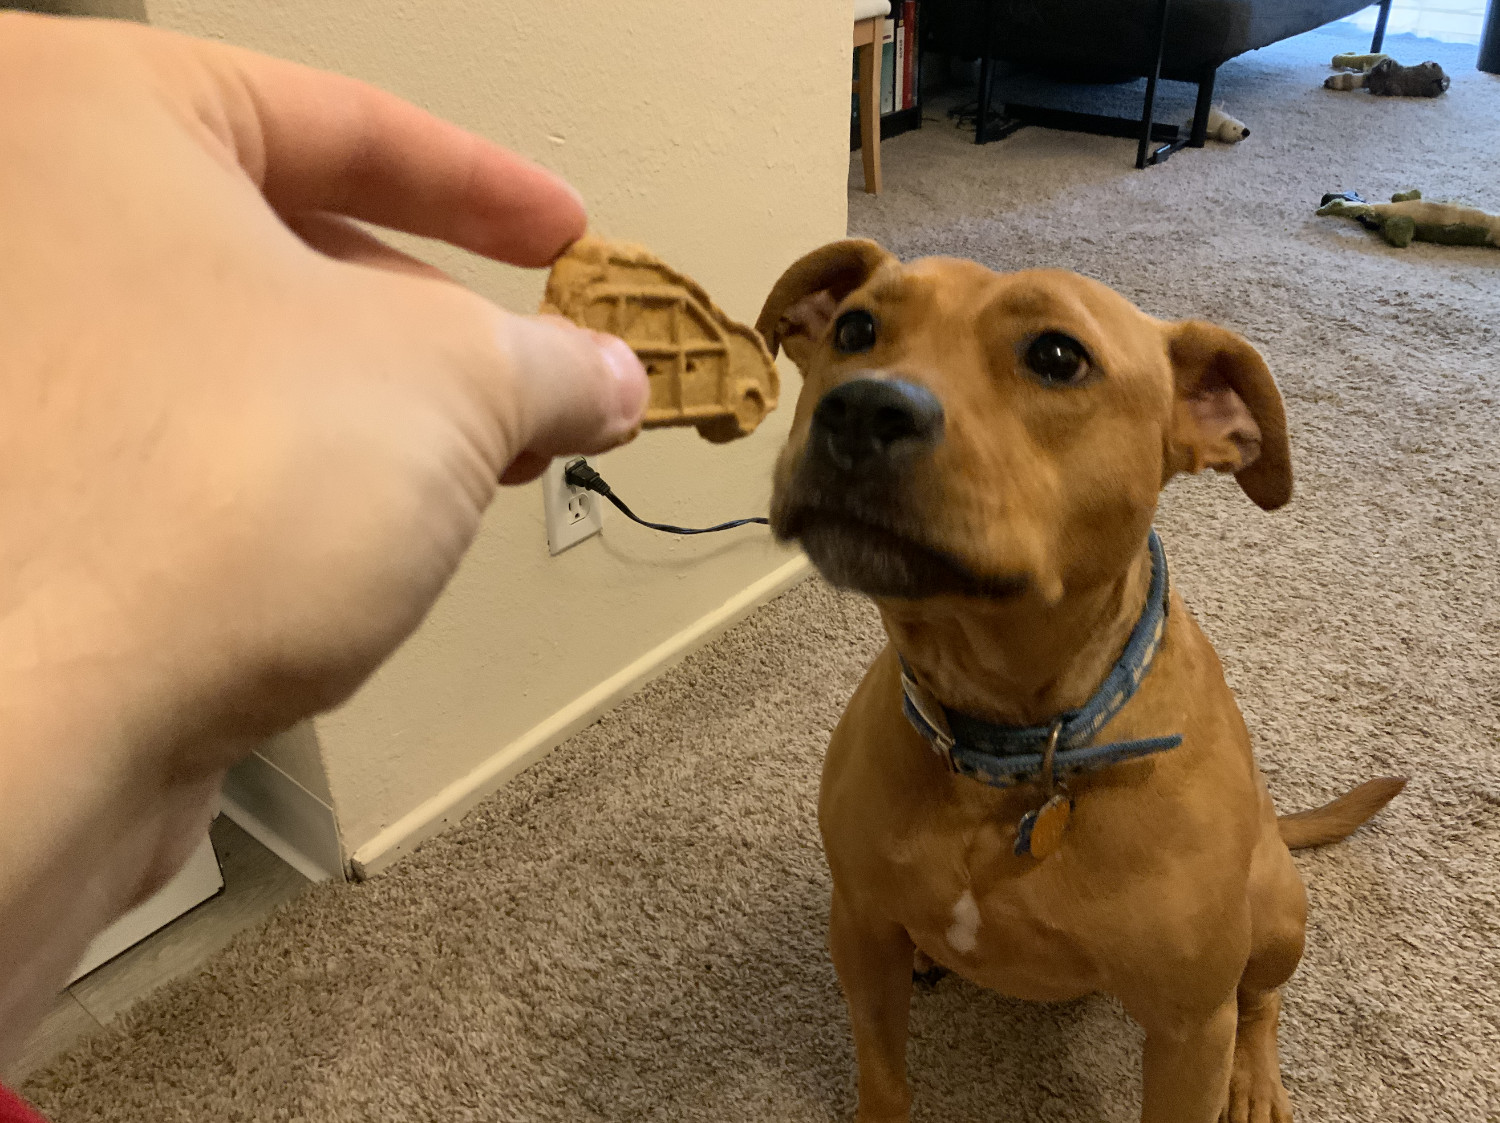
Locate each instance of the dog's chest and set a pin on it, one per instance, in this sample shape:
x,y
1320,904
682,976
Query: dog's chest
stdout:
x,y
1008,923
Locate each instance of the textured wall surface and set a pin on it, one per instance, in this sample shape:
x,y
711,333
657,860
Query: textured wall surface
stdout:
x,y
714,135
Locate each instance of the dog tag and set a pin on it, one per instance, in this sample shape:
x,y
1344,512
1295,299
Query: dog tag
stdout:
x,y
1040,832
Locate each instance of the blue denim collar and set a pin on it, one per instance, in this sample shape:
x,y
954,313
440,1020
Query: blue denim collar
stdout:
x,y
1006,755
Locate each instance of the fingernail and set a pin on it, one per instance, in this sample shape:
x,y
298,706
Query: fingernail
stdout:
x,y
631,386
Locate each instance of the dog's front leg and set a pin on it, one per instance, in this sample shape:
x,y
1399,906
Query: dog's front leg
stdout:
x,y
873,958
1187,1065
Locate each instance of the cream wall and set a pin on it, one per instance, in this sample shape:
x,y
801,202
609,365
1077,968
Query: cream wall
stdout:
x,y
714,133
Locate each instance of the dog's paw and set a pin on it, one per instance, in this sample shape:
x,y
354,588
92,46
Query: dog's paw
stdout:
x,y
1256,1096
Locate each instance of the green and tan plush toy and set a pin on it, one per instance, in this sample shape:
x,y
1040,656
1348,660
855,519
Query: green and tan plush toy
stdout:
x,y
1409,217
1357,62
1385,77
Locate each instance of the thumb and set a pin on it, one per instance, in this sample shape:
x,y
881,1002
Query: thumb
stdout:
x,y
548,388
577,390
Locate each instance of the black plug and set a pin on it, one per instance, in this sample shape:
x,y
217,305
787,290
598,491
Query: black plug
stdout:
x,y
578,472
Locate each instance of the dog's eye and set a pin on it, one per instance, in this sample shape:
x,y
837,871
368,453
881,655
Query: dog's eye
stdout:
x,y
854,332
1057,359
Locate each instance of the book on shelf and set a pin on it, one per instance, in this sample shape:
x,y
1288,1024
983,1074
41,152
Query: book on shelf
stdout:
x,y
898,101
909,54
888,67
898,63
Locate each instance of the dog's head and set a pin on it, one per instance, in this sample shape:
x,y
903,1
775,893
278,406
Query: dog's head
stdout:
x,y
974,433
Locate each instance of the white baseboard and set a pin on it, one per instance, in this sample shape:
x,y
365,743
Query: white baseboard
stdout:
x,y
197,881
451,804
285,818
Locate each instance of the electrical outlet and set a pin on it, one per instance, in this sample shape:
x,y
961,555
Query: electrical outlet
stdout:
x,y
573,513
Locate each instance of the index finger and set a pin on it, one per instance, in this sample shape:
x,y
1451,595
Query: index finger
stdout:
x,y
319,141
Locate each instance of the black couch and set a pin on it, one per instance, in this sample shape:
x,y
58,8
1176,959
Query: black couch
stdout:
x,y
1116,41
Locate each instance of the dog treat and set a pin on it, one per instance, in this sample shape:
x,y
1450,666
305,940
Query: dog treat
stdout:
x,y
705,369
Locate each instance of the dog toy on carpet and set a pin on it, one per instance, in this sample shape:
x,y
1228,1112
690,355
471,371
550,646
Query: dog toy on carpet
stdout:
x,y
1409,217
1224,128
1385,77
1357,62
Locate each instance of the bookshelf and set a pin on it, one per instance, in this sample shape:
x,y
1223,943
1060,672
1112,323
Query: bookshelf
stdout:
x,y
901,81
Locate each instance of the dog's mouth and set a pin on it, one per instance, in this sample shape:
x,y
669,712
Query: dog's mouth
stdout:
x,y
879,560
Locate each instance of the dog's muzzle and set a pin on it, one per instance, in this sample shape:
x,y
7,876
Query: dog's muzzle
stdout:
x,y
851,501
873,425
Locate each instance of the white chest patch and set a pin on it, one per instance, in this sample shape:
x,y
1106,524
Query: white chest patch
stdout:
x,y
963,933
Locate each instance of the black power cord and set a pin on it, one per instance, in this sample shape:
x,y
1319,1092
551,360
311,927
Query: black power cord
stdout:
x,y
580,473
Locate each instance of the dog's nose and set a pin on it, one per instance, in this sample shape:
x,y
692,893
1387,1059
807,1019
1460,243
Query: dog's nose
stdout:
x,y
870,419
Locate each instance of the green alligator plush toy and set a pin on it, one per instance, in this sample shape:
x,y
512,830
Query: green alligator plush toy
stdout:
x,y
1407,216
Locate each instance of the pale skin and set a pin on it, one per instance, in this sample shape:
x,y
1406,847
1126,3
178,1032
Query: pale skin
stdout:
x,y
246,443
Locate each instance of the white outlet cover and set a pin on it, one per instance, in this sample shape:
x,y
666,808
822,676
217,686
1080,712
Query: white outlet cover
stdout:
x,y
565,527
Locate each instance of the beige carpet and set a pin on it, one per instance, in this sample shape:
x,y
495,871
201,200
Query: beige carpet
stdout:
x,y
634,929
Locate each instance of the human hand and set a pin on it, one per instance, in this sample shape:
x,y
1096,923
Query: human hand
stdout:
x,y
245,444
248,442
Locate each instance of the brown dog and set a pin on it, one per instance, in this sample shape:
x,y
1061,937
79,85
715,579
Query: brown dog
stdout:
x,y
982,454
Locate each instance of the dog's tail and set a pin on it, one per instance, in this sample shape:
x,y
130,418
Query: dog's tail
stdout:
x,y
1341,818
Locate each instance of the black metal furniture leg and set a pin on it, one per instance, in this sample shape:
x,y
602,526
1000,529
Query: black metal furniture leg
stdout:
x,y
1151,80
1379,40
982,110
1489,43
1200,110
986,78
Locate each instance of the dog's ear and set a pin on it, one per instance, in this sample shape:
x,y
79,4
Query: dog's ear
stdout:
x,y
802,303
1227,414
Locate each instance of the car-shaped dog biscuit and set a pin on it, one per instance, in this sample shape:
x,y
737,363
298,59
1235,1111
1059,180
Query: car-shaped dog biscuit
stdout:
x,y
705,369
